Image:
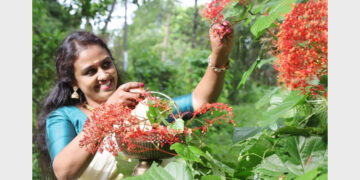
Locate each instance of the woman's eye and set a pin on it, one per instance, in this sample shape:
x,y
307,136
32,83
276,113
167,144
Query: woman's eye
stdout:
x,y
91,71
106,64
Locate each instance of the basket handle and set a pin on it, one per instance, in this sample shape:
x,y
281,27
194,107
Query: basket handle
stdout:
x,y
169,98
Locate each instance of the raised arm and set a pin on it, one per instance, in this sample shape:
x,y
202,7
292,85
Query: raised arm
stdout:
x,y
211,84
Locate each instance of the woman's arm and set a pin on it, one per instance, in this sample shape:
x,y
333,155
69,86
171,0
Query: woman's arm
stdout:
x,y
72,160
68,159
211,84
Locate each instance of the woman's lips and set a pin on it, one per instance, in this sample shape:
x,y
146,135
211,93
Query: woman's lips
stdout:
x,y
106,85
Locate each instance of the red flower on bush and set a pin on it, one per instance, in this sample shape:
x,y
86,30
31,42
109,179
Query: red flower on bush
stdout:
x,y
302,47
213,10
113,127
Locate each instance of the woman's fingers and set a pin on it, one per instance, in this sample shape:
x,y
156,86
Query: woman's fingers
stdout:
x,y
130,95
131,85
124,95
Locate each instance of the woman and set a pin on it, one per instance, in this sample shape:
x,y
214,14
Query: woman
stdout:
x,y
87,77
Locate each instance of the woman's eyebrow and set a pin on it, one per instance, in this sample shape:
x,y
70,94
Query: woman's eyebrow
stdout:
x,y
96,62
100,61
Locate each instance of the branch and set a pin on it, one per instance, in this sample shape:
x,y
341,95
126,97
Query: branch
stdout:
x,y
108,17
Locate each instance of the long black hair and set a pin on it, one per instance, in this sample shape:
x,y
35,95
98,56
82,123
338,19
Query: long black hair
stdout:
x,y
60,95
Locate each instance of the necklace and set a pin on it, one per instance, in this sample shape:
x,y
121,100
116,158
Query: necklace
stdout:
x,y
88,107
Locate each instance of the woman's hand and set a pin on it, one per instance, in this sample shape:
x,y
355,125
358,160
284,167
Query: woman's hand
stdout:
x,y
221,45
125,94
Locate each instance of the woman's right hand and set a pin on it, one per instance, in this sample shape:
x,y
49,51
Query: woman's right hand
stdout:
x,y
124,95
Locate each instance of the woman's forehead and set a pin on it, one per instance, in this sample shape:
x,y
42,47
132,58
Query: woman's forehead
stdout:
x,y
92,54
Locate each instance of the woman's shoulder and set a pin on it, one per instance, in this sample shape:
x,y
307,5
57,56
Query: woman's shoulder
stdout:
x,y
67,115
65,112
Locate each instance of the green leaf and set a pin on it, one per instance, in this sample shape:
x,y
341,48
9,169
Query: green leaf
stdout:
x,y
124,166
179,170
261,24
212,177
310,175
281,109
155,172
242,133
252,154
197,151
234,12
282,7
275,12
266,61
324,80
247,74
151,114
295,156
272,168
184,152
177,125
260,6
291,130
218,167
266,98
322,177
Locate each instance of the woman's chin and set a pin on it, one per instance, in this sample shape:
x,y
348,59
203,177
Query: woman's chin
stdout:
x,y
104,96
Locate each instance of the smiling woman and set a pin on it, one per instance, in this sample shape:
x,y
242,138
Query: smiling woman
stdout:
x,y
95,74
87,78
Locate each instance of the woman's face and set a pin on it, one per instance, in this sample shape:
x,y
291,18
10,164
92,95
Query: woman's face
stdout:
x,y
95,74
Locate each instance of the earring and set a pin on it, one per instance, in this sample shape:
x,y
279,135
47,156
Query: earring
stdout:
x,y
75,95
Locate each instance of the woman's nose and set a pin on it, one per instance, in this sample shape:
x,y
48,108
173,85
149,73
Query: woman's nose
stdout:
x,y
102,75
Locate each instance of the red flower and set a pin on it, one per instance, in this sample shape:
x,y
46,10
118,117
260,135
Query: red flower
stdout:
x,y
112,127
302,47
213,10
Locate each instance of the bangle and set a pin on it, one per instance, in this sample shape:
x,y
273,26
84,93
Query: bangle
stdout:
x,y
216,69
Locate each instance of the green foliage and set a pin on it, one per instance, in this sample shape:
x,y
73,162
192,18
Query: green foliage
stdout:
x,y
295,156
154,173
252,152
176,170
282,109
177,125
242,133
275,12
247,74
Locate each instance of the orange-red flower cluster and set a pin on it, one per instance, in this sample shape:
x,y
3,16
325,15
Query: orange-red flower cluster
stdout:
x,y
113,127
213,10
302,52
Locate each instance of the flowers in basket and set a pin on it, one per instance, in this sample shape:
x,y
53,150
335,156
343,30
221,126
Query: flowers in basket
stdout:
x,y
148,127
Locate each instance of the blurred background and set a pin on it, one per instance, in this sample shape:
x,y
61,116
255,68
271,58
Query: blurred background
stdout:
x,y
163,43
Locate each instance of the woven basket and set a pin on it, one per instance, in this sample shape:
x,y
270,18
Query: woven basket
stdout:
x,y
149,147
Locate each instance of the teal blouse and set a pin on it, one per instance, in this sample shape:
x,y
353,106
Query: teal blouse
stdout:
x,y
65,123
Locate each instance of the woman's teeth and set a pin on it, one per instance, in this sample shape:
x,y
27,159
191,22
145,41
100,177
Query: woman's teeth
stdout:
x,y
106,85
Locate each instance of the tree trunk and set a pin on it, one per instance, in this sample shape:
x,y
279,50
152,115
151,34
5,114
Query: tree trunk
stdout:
x,y
125,37
166,36
193,44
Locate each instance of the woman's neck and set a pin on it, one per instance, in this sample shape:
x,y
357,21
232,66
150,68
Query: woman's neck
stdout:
x,y
93,104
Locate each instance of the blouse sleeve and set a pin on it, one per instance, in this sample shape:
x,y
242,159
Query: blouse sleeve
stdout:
x,y
59,132
185,105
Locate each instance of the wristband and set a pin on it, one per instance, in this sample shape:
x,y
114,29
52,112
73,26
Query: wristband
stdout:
x,y
216,69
